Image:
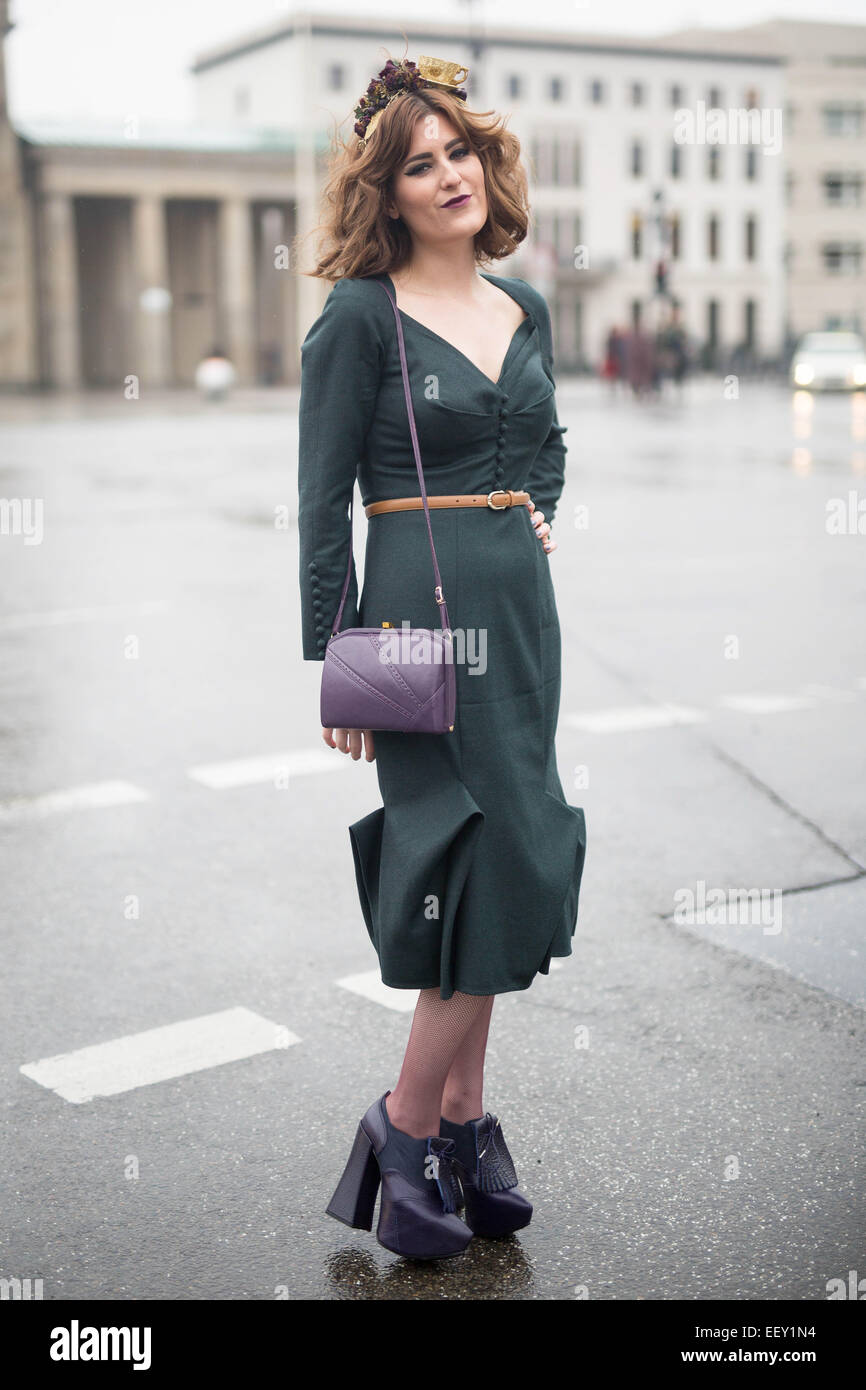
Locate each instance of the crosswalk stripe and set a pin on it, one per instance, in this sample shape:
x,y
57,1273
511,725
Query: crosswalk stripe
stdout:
x,y
766,704
88,796
369,985
830,692
269,767
159,1054
620,720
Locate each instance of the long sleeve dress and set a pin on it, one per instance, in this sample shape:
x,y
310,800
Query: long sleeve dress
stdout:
x,y
469,872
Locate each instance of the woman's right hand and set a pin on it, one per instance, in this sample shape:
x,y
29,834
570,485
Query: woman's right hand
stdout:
x,y
349,741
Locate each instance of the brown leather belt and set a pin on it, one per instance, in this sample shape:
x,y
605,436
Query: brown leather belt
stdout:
x,y
478,499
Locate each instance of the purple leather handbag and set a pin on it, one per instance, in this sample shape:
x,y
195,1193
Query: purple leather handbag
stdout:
x,y
369,678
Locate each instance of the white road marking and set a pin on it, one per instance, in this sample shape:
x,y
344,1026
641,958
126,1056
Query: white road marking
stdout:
x,y
624,718
767,704
86,797
159,1054
370,986
829,692
55,616
268,767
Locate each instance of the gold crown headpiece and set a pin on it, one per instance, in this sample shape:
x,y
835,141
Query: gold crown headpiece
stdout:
x,y
396,79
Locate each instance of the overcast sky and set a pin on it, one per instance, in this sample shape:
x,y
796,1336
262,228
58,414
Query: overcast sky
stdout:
x,y
114,58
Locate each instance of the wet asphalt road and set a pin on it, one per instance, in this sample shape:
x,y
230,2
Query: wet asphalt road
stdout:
x,y
684,1100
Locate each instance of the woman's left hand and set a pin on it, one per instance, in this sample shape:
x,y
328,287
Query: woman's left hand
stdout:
x,y
542,528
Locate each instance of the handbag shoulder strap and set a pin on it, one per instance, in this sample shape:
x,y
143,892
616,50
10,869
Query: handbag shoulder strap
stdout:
x,y
437,592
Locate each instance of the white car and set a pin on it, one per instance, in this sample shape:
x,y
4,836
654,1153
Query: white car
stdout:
x,y
829,362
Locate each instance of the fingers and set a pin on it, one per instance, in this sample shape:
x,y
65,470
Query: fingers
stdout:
x,y
542,528
350,741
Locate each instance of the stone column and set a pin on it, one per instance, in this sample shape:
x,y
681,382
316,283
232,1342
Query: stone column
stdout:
x,y
153,364
58,269
237,287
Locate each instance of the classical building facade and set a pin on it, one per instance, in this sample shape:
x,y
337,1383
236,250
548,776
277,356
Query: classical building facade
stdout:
x,y
128,253
135,251
825,162
613,192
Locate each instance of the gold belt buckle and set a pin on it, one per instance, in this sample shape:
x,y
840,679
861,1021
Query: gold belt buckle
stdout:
x,y
499,492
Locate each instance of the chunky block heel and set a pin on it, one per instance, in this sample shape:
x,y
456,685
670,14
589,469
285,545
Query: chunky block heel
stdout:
x,y
354,1200
420,1190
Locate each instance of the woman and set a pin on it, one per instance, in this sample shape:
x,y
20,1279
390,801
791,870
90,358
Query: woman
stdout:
x,y
469,873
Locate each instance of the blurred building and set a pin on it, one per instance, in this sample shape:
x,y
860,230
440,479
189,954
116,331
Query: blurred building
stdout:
x,y
130,251
136,251
825,162
613,193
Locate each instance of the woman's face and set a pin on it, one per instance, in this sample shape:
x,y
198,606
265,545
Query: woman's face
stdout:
x,y
439,168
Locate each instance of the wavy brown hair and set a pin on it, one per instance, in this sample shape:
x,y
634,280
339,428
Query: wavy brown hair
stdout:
x,y
358,238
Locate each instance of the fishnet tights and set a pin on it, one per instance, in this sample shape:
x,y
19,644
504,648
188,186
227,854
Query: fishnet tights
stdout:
x,y
443,1067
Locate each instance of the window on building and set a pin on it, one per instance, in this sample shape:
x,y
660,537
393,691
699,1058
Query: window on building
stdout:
x,y
531,148
636,236
596,92
753,99
843,118
676,236
713,237
790,185
750,319
336,79
714,163
751,238
635,313
576,238
544,232
544,157
713,323
751,166
676,95
514,85
636,93
636,157
676,161
566,165
841,257
557,89
714,97
843,190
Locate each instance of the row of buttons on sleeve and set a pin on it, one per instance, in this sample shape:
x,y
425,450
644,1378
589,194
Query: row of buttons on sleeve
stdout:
x,y
321,634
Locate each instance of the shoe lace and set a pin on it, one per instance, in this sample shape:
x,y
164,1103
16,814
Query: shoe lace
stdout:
x,y
443,1152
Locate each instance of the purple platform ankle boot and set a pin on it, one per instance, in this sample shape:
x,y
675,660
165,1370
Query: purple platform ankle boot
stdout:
x,y
420,1191
486,1170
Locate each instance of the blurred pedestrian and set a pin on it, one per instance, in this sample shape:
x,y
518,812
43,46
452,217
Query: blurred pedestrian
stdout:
x,y
613,369
215,375
639,358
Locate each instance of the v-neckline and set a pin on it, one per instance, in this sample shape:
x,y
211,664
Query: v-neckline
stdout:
x,y
453,347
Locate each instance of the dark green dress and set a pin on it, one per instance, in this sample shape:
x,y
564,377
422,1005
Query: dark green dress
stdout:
x,y
469,873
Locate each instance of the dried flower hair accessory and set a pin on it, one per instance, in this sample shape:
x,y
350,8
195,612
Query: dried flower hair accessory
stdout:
x,y
396,79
